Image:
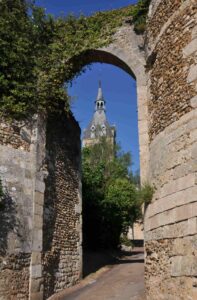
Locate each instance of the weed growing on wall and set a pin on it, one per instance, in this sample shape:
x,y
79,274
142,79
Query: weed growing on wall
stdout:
x,y
139,14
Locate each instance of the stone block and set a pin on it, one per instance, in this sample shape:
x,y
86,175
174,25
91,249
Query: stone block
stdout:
x,y
143,139
193,102
183,266
192,124
155,222
176,266
3,169
192,226
36,285
192,76
190,48
142,112
38,233
194,209
38,221
183,212
193,136
78,208
36,296
194,150
177,199
143,127
36,271
194,31
181,170
36,245
177,185
38,198
35,258
173,215
38,209
39,186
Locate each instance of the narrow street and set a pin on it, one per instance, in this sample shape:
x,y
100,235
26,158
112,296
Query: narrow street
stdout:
x,y
122,281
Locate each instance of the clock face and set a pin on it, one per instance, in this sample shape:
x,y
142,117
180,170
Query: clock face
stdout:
x,y
93,128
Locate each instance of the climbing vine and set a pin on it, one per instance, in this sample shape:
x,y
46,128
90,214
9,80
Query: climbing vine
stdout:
x,y
139,14
36,52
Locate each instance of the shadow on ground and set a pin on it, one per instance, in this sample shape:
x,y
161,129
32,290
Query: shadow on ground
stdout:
x,y
94,260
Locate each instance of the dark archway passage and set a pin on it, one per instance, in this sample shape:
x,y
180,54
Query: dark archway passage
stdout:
x,y
119,92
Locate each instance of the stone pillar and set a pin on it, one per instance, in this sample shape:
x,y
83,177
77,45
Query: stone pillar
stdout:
x,y
17,171
36,268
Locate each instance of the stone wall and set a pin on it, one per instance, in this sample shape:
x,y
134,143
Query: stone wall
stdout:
x,y
171,218
170,92
17,174
40,217
62,252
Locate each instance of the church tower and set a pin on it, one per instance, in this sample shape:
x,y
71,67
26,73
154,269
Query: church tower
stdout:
x,y
99,125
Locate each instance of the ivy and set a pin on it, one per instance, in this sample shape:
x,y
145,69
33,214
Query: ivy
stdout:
x,y
139,14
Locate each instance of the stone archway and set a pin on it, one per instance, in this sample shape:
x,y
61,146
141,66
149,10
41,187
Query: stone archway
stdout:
x,y
124,53
48,247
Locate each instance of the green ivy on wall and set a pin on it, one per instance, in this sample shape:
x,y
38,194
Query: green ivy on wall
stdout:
x,y
36,52
139,14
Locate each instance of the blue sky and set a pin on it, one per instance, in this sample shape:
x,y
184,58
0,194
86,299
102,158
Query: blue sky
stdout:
x,y
119,88
57,7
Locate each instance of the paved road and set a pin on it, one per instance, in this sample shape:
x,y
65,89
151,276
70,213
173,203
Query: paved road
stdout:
x,y
123,281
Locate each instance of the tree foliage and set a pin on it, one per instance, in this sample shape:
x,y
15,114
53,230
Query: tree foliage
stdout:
x,y
24,41
110,202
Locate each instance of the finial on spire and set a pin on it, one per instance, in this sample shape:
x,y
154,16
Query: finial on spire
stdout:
x,y
99,83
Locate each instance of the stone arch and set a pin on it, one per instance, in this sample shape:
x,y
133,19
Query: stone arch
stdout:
x,y
30,148
126,52
103,56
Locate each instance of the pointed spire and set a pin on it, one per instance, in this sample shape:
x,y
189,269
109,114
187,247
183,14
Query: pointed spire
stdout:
x,y
100,102
100,92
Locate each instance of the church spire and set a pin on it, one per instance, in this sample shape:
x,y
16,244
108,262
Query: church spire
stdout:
x,y
99,125
100,102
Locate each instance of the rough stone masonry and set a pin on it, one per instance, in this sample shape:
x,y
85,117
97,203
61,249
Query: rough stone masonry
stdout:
x,y
40,237
171,219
